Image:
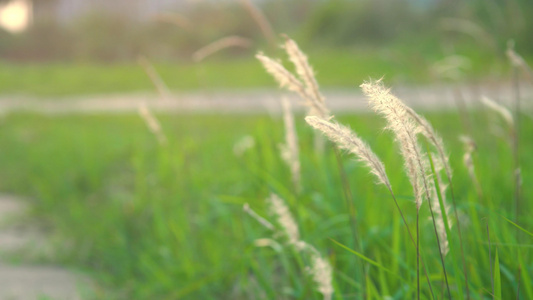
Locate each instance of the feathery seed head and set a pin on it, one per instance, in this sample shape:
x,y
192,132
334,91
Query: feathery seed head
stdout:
x,y
290,150
284,218
322,275
306,86
425,128
346,139
303,69
405,131
515,59
499,109
282,76
152,123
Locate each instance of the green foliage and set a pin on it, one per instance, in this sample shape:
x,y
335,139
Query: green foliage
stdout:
x,y
153,222
342,67
342,22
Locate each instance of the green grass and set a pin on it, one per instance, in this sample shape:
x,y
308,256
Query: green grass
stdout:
x,y
337,68
164,223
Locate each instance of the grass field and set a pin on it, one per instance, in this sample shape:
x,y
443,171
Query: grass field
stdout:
x,y
153,222
337,68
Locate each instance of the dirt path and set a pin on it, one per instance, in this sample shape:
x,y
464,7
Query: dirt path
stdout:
x,y
28,281
435,97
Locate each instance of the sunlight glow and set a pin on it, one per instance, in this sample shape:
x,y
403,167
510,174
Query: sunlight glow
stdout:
x,y
15,15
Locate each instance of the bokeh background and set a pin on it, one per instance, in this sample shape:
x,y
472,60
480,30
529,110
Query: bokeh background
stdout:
x,y
135,131
51,46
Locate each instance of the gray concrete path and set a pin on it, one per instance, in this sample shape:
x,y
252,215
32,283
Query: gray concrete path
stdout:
x,y
29,281
433,97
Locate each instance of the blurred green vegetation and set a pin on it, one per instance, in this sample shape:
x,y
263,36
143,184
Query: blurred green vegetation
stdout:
x,y
347,41
152,222
336,68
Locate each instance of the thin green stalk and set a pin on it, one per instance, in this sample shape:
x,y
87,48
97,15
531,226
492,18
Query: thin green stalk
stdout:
x,y
465,272
438,246
518,284
349,203
347,196
445,221
428,197
413,241
417,257
490,264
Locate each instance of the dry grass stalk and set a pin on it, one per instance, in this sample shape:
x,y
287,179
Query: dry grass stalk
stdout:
x,y
470,147
221,44
469,28
518,61
152,123
285,220
258,218
501,110
348,140
159,84
264,242
261,20
290,151
514,127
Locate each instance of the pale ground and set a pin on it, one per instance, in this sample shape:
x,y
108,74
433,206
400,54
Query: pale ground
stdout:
x,y
24,281
426,98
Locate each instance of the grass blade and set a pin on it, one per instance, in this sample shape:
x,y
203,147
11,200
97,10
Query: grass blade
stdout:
x,y
518,226
368,260
497,278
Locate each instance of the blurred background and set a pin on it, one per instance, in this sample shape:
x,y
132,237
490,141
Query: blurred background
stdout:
x,y
49,47
134,131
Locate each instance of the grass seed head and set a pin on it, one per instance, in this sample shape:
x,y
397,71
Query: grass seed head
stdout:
x,y
382,101
346,139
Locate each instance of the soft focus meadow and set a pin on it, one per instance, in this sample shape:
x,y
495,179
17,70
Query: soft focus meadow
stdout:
x,y
311,203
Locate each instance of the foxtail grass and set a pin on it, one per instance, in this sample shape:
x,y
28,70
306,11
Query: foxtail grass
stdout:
x,y
219,45
152,123
319,268
518,63
405,129
261,21
348,140
468,161
157,81
441,161
290,151
513,129
305,85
